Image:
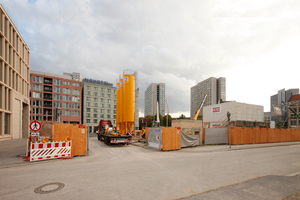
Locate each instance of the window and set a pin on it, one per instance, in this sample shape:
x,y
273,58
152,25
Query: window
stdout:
x,y
95,115
115,116
88,87
67,105
108,116
102,94
37,87
115,112
95,93
95,104
108,111
75,113
88,110
37,110
37,95
102,89
37,102
67,83
108,100
88,120
95,110
66,112
67,98
37,79
88,98
75,105
76,99
75,92
57,82
108,105
114,91
88,93
57,104
95,120
102,100
76,84
67,90
57,97
108,90
88,114
102,106
115,101
95,89
102,115
102,110
95,99
88,104
115,96
109,95
57,89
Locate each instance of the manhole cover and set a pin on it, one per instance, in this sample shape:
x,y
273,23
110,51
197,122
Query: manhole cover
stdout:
x,y
49,187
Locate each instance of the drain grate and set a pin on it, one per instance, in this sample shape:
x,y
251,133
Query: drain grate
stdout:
x,y
39,190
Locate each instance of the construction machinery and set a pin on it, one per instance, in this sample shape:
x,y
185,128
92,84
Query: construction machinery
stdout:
x,y
201,105
107,134
291,109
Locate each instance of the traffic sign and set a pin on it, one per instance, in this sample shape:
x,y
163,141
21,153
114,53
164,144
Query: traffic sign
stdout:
x,y
146,119
35,126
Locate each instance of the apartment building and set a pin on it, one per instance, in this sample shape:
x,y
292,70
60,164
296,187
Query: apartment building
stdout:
x,y
215,88
155,95
293,120
99,103
14,81
55,98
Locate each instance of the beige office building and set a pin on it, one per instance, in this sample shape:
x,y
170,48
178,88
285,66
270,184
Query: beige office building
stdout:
x,y
14,81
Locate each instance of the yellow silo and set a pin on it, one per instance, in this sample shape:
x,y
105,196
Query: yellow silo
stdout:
x,y
128,99
118,102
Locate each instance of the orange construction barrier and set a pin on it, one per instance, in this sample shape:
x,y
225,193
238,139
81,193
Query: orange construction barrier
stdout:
x,y
264,135
277,135
256,136
297,135
271,135
288,135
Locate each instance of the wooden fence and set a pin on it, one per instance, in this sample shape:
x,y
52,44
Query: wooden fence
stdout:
x,y
77,133
240,135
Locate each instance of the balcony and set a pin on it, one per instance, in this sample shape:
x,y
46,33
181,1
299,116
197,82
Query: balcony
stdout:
x,y
48,81
47,90
49,113
48,97
48,105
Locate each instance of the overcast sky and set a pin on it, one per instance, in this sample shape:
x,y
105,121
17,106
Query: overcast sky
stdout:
x,y
255,45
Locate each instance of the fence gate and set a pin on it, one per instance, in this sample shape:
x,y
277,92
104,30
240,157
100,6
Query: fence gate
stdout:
x,y
216,136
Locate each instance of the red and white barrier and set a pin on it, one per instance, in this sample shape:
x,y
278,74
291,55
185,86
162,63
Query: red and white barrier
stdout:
x,y
49,150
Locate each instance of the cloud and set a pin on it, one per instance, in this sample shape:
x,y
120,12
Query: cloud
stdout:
x,y
179,43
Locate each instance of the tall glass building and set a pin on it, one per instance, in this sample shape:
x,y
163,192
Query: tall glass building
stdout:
x,y
154,93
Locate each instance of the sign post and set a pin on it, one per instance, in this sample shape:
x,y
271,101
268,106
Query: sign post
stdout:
x,y
228,116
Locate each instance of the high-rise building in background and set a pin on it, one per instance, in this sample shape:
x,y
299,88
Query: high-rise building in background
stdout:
x,y
215,88
14,81
99,103
153,94
55,98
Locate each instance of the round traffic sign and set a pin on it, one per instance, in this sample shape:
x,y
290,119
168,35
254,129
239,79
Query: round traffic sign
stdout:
x,y
35,126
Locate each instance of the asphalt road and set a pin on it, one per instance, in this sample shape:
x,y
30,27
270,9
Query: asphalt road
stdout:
x,y
133,172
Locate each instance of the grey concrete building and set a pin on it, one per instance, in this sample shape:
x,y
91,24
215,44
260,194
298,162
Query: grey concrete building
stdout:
x,y
14,81
154,93
215,88
99,103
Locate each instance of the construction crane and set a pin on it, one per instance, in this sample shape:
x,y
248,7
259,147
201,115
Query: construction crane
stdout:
x,y
198,111
291,109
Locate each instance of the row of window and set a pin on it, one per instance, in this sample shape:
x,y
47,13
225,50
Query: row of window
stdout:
x,y
38,79
56,89
101,115
101,100
102,89
57,104
102,105
96,120
101,110
75,113
102,94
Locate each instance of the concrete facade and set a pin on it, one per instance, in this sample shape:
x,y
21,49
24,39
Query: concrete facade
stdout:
x,y
215,88
14,81
99,103
49,91
216,114
153,94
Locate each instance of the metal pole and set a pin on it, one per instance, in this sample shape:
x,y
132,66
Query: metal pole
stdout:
x,y
229,135
88,143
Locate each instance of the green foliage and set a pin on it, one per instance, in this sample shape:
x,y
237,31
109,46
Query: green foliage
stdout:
x,y
182,116
200,117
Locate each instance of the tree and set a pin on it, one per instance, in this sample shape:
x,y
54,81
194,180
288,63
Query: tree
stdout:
x,y
164,121
200,117
182,116
149,122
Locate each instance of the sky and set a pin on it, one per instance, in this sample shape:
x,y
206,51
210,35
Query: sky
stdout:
x,y
254,44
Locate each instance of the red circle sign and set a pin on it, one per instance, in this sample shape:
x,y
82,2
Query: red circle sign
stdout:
x,y
35,126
